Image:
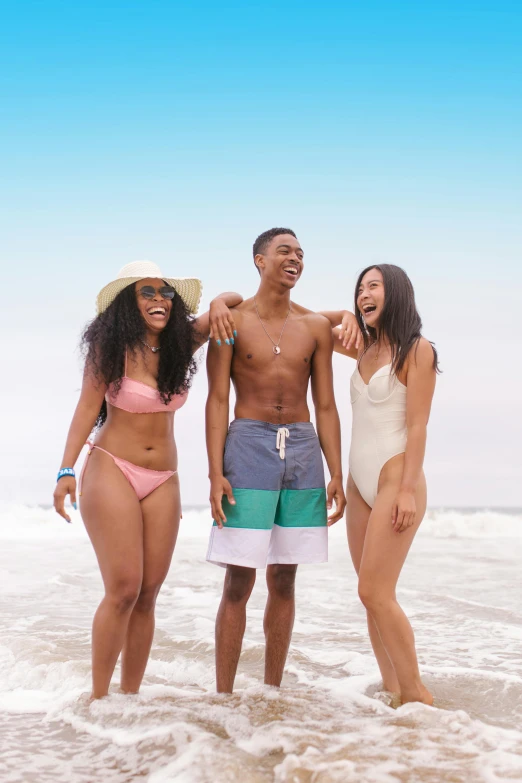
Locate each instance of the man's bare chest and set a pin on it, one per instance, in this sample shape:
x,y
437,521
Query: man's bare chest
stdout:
x,y
266,350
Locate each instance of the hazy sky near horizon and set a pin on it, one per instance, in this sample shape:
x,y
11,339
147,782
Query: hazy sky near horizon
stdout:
x,y
380,131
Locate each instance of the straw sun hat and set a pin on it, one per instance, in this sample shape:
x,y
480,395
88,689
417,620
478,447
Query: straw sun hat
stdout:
x,y
189,288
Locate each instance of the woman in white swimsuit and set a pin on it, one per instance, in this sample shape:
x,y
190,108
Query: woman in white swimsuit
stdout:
x,y
391,393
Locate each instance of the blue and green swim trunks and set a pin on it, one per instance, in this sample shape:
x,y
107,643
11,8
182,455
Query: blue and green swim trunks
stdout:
x,y
277,476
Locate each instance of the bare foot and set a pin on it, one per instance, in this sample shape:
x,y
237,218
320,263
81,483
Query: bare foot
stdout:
x,y
422,694
85,699
389,698
392,686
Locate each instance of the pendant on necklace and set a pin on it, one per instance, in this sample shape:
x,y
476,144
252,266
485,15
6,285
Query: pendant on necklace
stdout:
x,y
153,348
276,349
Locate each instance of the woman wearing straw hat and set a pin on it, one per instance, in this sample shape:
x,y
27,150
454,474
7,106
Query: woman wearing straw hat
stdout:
x,y
139,365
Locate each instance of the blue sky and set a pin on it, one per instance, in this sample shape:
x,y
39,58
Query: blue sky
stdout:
x,y
380,131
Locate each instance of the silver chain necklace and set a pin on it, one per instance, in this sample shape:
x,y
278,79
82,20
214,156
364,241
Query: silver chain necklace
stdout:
x,y
153,348
276,349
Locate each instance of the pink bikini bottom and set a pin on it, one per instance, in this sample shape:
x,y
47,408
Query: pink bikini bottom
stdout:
x,y
142,480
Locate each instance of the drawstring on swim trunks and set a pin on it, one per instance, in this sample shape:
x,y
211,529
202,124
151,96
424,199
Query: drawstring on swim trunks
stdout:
x,y
282,435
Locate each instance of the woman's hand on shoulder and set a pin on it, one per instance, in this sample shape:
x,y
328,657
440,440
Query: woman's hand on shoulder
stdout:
x,y
354,349
64,486
219,322
222,325
350,335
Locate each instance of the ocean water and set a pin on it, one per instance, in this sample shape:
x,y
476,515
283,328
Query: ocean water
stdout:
x,y
461,587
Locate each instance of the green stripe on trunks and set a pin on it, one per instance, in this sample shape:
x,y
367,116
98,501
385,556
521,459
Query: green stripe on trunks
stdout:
x,y
260,509
302,508
254,509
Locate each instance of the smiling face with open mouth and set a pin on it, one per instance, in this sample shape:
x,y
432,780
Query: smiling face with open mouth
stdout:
x,y
156,310
282,260
370,297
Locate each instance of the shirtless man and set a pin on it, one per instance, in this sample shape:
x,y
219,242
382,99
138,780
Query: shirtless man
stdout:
x,y
267,493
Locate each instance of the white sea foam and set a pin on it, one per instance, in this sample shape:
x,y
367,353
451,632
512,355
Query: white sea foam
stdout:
x,y
483,523
459,588
34,522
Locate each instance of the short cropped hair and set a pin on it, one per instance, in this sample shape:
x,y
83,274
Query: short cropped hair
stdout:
x,y
264,239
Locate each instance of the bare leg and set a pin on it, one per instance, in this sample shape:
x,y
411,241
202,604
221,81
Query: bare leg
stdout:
x,y
230,624
357,516
161,513
279,620
383,556
112,515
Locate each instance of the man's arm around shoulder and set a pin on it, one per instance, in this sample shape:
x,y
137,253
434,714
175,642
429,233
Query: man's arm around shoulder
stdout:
x,y
347,335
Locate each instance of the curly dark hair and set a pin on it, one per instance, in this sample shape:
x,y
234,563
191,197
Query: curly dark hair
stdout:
x,y
400,322
121,327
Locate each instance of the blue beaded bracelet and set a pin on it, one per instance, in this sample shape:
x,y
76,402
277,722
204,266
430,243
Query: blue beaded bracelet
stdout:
x,y
65,472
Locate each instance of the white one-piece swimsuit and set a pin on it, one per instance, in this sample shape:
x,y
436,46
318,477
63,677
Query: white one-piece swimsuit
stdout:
x,y
378,427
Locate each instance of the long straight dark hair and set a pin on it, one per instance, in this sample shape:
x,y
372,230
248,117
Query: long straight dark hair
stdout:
x,y
400,323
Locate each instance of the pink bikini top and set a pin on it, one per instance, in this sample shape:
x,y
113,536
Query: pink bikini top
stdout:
x,y
138,397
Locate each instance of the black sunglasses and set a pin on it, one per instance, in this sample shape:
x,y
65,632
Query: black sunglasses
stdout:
x,y
149,292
